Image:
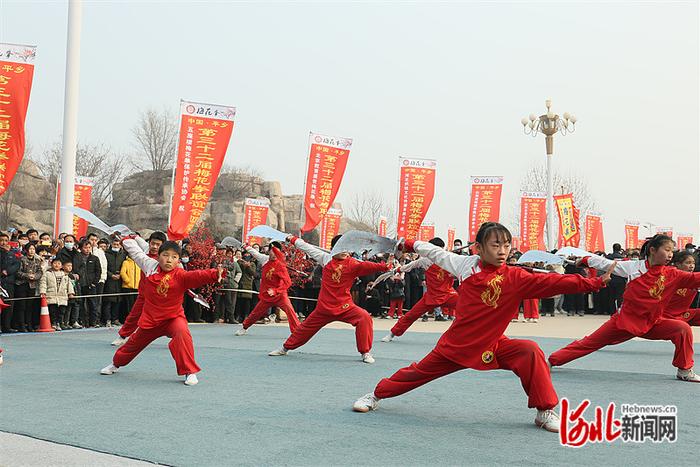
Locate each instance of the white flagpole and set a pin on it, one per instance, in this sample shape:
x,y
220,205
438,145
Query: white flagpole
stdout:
x,y
70,115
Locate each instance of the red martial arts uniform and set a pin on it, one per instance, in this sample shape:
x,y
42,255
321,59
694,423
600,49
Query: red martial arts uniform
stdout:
x,y
439,293
275,277
488,296
132,319
648,293
163,293
334,300
531,308
679,307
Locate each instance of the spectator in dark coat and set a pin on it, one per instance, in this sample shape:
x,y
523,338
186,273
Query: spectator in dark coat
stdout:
x,y
113,285
89,272
9,265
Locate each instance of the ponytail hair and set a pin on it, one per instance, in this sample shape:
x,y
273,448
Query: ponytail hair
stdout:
x,y
654,242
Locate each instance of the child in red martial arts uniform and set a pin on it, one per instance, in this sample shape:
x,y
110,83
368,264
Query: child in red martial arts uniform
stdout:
x,y
131,322
679,306
439,293
334,300
651,285
163,289
274,283
489,293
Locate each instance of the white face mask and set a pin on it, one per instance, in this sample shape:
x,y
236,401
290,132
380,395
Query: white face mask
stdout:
x,y
116,250
69,245
185,260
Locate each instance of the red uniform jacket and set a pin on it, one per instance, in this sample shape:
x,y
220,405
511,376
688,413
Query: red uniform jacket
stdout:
x,y
274,272
488,298
163,292
680,302
439,283
338,276
648,293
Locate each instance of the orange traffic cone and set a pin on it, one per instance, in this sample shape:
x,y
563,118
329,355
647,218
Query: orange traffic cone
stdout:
x,y
44,318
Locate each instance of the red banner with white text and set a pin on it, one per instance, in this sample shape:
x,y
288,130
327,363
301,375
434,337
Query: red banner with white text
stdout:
x,y
82,198
328,156
254,214
16,75
515,243
426,231
205,132
484,202
330,227
451,233
533,217
569,230
631,235
594,239
665,231
683,240
416,191
382,227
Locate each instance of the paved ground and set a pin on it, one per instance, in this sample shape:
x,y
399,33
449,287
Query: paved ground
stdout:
x,y
251,409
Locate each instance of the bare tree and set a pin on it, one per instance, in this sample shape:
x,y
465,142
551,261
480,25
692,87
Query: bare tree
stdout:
x,y
156,139
368,207
536,180
239,181
92,160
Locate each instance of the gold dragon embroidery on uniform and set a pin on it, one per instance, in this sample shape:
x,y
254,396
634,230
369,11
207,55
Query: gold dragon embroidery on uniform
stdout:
x,y
269,273
440,275
491,295
658,289
337,272
682,292
164,285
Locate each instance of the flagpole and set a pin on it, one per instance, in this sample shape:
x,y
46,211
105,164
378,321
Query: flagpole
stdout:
x,y
70,115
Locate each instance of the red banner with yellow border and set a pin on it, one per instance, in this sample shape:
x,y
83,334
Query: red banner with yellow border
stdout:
x,y
16,75
451,233
416,191
484,202
426,231
82,198
594,239
330,227
382,227
569,231
631,235
205,132
533,217
254,214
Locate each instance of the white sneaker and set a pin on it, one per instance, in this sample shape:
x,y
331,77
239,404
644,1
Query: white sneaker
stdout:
x,y
367,358
109,369
548,419
388,338
278,353
76,325
241,332
191,379
534,320
688,375
366,403
119,341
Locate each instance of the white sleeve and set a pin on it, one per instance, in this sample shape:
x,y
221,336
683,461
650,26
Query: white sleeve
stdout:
x,y
622,268
459,266
147,265
314,253
143,244
423,263
259,257
103,263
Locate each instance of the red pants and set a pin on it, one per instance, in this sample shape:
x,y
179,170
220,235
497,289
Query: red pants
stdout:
x,y
180,345
522,357
358,317
132,319
418,310
281,301
448,310
396,304
531,308
673,330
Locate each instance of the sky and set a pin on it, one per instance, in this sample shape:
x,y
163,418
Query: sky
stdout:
x,y
448,81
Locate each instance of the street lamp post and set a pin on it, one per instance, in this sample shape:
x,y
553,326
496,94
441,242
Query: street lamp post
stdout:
x,y
549,124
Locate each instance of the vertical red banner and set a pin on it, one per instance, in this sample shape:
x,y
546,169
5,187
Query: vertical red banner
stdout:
x,y
416,191
16,75
533,217
484,202
569,230
426,231
594,240
683,240
515,243
328,157
631,235
254,214
82,198
205,132
330,227
382,227
665,231
451,233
